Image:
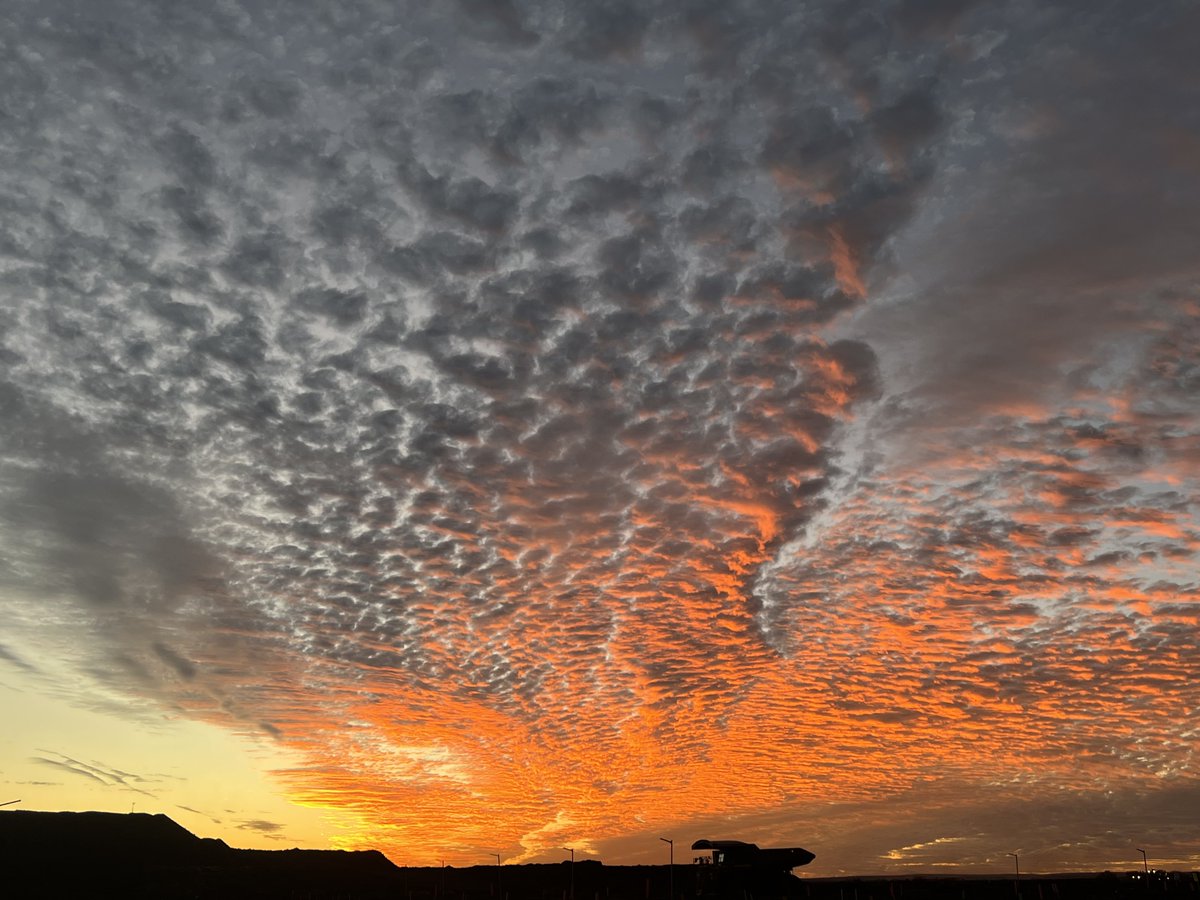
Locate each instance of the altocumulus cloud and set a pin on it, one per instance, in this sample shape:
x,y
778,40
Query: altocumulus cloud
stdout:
x,y
526,411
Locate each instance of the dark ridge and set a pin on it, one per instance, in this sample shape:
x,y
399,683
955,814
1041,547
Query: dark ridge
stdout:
x,y
99,837
138,855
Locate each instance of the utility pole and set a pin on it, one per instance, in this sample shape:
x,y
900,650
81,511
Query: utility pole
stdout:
x,y
572,852
1145,862
670,867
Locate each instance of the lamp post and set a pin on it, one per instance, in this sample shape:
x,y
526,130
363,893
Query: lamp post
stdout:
x,y
499,893
571,850
670,867
1145,862
1016,861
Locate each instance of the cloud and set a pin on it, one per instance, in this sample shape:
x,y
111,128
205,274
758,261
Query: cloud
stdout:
x,y
261,826
13,658
536,410
610,29
1054,251
500,22
198,813
98,772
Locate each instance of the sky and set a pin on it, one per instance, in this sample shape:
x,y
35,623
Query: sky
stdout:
x,y
476,428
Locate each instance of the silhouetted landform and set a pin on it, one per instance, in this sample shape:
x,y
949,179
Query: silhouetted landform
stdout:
x,y
112,855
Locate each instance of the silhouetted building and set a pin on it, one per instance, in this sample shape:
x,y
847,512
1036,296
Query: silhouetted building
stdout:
x,y
742,855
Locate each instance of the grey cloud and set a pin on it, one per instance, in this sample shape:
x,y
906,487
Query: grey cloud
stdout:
x,y
99,536
262,826
792,290
709,165
340,223
724,31
562,110
616,191
191,316
188,155
260,260
272,96
468,201
196,220
636,267
182,667
340,307
69,768
609,28
1050,273
931,18
543,241
241,343
814,149
499,21
14,659
448,251
859,361
98,772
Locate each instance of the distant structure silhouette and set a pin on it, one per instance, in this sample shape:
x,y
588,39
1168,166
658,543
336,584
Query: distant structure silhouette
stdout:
x,y
737,869
738,854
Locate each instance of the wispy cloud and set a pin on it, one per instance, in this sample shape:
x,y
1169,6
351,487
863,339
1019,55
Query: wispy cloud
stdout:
x,y
261,825
13,659
98,772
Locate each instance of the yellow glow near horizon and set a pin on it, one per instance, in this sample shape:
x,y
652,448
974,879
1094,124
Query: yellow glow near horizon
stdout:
x,y
213,782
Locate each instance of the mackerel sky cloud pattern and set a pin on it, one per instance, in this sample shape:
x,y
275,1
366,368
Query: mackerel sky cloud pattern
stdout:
x,y
560,424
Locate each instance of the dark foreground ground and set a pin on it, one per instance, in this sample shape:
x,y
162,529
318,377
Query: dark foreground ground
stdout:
x,y
108,855
1092,886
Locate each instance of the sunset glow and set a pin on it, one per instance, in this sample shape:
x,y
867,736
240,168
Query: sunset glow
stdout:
x,y
473,428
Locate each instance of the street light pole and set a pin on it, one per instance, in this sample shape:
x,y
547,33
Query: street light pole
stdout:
x,y
571,850
499,893
671,867
1017,861
1145,862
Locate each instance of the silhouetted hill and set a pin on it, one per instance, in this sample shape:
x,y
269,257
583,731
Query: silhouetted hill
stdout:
x,y
95,854
99,836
